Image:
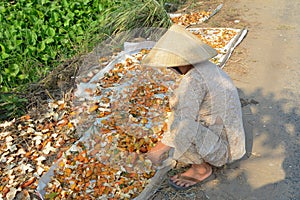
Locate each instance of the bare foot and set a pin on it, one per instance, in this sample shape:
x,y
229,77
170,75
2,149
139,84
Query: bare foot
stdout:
x,y
158,153
195,174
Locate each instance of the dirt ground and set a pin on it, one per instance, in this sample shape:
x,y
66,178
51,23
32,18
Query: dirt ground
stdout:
x,y
265,69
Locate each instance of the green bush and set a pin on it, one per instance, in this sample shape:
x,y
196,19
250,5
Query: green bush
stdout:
x,y
37,34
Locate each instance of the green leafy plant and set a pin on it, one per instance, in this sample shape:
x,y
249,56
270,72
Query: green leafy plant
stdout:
x,y
37,35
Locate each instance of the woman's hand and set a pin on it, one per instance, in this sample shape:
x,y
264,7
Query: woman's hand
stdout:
x,y
158,153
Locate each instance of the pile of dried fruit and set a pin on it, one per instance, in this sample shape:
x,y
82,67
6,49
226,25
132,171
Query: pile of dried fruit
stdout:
x,y
130,105
28,147
80,175
216,37
191,18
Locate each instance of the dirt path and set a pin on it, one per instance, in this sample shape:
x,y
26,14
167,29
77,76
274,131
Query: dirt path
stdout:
x,y
269,74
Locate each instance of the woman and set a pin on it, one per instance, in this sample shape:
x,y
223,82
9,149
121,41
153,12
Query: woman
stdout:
x,y
205,127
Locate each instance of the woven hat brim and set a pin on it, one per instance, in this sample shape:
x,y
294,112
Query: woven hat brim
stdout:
x,y
161,58
178,47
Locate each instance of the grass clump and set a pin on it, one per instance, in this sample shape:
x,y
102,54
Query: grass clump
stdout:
x,y
126,15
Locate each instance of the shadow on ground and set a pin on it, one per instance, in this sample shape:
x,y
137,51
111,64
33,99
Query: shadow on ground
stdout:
x,y
261,114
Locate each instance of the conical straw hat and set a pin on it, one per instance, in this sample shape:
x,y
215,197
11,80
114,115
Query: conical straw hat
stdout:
x,y
178,47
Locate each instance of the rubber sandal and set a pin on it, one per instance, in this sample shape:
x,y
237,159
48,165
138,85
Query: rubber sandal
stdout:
x,y
187,178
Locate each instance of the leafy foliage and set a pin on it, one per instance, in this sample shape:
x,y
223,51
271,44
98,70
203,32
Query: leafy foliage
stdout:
x,y
36,34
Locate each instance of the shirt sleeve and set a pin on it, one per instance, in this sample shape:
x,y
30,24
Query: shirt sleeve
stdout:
x,y
185,105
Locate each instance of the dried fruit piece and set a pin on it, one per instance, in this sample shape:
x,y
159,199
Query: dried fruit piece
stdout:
x,y
28,182
5,191
93,108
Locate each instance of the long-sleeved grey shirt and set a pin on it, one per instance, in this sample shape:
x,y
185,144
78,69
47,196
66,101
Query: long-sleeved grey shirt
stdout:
x,y
206,114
